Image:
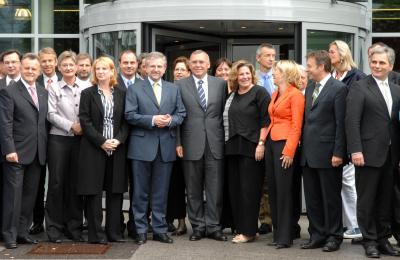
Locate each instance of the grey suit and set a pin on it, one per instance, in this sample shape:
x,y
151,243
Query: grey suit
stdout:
x,y
23,132
202,137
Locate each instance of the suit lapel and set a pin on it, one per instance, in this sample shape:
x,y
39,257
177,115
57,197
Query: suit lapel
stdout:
x,y
194,91
41,93
373,87
97,99
393,92
148,89
25,94
164,93
323,92
283,97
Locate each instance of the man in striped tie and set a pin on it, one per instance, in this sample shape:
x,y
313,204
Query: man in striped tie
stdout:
x,y
200,142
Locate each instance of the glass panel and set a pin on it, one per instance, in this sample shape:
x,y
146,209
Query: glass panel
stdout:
x,y
59,16
21,44
60,45
385,16
320,40
393,43
112,43
16,17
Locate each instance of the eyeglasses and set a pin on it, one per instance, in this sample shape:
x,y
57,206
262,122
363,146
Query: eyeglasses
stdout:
x,y
11,62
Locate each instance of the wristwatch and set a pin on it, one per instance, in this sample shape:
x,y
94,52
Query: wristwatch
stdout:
x,y
261,142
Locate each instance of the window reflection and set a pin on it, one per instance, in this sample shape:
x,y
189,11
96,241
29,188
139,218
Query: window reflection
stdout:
x,y
21,44
320,40
112,43
16,17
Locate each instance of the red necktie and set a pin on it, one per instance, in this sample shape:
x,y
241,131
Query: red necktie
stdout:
x,y
49,83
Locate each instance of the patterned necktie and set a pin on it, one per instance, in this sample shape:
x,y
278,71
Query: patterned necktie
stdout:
x,y
129,83
11,82
315,92
202,95
49,83
32,91
157,92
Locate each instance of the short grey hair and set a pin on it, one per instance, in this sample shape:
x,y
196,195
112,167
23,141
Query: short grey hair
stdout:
x,y
263,45
389,53
155,55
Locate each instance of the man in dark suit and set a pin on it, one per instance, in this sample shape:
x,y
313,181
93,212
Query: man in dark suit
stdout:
x,y
126,78
12,63
23,110
322,154
154,109
49,77
201,144
372,127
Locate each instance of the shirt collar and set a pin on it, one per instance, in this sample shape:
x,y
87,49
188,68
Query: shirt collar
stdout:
x,y
100,91
378,81
325,79
8,79
64,84
263,74
126,80
27,85
196,80
152,82
53,78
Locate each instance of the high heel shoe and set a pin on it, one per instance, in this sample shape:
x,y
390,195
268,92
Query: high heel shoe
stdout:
x,y
181,230
242,239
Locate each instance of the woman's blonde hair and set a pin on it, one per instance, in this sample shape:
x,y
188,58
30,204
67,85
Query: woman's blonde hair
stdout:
x,y
110,64
233,75
346,60
290,71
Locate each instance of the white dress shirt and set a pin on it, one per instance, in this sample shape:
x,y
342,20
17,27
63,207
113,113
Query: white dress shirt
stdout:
x,y
204,86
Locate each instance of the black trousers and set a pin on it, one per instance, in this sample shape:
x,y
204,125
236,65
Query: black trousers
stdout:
x,y
64,208
322,190
396,204
113,211
20,185
246,177
226,214
38,210
280,183
176,208
374,187
297,195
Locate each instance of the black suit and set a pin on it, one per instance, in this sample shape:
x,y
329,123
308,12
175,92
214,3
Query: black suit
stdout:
x,y
23,132
324,137
38,211
370,129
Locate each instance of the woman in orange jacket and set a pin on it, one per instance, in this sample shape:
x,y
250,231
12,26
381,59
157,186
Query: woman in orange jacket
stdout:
x,y
286,111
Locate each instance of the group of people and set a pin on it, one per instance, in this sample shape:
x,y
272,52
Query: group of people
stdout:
x,y
229,149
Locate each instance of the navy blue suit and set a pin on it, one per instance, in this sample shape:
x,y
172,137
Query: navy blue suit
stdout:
x,y
152,149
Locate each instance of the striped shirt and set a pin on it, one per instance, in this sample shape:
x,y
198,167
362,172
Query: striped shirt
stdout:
x,y
108,125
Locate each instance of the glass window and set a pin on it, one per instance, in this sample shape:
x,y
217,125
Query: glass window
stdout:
x,y
59,16
16,17
60,44
21,44
112,43
320,40
385,16
392,42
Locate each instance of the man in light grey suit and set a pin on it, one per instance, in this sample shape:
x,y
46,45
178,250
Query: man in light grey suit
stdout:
x,y
154,108
200,142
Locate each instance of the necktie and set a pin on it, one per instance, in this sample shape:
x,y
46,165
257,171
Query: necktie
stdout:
x,y
387,96
315,92
11,82
129,83
267,84
49,81
202,95
157,92
32,91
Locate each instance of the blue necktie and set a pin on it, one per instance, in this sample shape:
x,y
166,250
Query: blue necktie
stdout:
x,y
202,95
129,83
267,84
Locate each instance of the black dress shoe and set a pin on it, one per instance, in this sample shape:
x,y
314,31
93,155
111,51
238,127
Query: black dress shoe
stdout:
x,y
26,240
171,227
117,240
141,238
55,240
36,229
196,235
163,238
371,251
281,246
272,243
99,242
331,246
218,235
312,244
387,249
79,239
11,245
264,229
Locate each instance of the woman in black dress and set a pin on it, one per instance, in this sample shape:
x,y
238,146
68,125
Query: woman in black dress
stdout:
x,y
103,153
245,118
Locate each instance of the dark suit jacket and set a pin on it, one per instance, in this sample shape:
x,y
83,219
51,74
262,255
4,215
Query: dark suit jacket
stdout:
x,y
141,105
352,76
23,126
92,158
200,125
394,77
121,82
323,128
369,127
